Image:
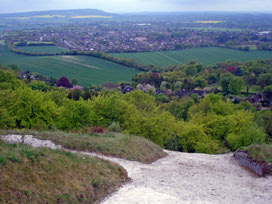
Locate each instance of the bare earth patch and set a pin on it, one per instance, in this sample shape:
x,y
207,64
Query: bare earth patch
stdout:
x,y
190,178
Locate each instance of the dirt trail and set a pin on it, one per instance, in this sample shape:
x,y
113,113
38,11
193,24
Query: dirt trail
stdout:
x,y
182,178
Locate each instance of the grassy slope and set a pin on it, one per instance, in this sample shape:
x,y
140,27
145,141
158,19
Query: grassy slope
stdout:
x,y
30,175
77,67
207,56
42,49
111,144
261,153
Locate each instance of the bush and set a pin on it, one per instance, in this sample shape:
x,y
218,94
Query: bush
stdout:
x,y
250,135
179,108
75,115
115,127
8,81
194,139
264,119
5,119
29,109
96,129
106,109
38,85
64,82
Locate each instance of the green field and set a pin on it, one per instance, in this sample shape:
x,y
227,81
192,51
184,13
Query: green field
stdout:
x,y
209,28
42,49
207,56
87,70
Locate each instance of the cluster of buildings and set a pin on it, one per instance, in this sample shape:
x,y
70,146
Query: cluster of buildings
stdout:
x,y
133,37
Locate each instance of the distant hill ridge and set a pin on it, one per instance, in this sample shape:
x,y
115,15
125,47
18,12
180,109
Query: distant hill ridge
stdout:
x,y
66,13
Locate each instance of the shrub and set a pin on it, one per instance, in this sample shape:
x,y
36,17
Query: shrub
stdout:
x,y
194,139
75,115
5,119
38,85
264,119
250,135
179,108
29,109
115,127
162,98
261,153
64,82
8,81
97,129
106,109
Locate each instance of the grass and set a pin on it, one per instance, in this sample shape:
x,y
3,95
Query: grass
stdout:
x,y
210,28
42,49
109,144
260,153
206,56
86,70
29,175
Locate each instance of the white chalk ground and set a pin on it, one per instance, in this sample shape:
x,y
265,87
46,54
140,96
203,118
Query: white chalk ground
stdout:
x,y
182,178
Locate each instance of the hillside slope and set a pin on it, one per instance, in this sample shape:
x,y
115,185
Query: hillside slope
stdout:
x,y
66,13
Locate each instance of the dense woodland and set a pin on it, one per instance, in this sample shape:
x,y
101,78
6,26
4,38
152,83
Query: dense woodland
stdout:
x,y
210,124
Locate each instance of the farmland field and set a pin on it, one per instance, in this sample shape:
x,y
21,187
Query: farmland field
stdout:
x,y
207,56
210,28
42,49
87,70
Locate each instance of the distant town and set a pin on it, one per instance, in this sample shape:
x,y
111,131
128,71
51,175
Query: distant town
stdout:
x,y
141,37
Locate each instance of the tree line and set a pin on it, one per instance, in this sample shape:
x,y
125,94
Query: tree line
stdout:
x,y
209,125
125,62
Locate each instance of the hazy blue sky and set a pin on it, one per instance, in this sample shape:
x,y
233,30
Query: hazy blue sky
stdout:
x,y
137,5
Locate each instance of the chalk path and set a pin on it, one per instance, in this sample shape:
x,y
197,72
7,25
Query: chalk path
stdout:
x,y
182,178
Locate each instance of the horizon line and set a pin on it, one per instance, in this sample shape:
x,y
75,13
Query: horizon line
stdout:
x,y
135,12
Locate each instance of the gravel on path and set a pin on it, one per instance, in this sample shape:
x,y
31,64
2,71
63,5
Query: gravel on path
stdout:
x,y
182,178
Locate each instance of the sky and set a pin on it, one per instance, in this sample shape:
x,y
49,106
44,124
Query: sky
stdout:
x,y
117,6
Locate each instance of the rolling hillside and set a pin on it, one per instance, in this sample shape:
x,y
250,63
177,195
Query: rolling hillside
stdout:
x,y
87,70
57,13
207,56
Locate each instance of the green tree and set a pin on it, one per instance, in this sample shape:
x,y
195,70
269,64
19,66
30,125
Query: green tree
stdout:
x,y
162,98
201,82
74,82
107,108
265,80
225,81
165,85
6,120
250,79
194,139
74,115
30,109
250,135
268,92
38,85
264,119
178,85
179,108
236,85
8,81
